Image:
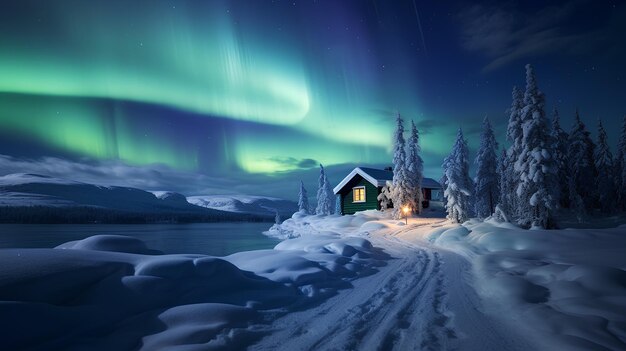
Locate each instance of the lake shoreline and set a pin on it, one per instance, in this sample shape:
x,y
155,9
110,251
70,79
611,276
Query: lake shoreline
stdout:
x,y
215,239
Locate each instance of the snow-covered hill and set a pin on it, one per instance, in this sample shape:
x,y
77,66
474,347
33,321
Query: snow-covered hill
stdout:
x,y
36,195
258,205
22,189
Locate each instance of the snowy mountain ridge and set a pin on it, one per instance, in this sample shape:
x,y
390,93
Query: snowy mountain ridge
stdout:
x,y
260,205
29,190
23,189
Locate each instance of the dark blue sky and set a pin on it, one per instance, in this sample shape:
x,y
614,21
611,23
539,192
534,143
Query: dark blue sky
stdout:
x,y
249,96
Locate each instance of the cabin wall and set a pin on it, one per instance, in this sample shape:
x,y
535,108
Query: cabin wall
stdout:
x,y
371,196
427,194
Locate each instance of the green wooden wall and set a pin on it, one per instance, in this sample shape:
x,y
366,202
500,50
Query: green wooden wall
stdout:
x,y
371,195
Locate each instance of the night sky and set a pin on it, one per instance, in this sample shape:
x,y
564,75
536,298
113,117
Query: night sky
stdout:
x,y
208,97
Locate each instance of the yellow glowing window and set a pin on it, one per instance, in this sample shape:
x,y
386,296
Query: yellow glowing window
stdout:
x,y
358,194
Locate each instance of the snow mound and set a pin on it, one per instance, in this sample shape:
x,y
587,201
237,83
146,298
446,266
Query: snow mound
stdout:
x,y
301,224
115,243
111,292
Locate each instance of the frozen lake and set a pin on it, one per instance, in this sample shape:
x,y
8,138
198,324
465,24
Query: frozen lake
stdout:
x,y
217,239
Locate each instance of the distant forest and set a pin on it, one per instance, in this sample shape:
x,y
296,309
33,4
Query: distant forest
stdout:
x,y
86,215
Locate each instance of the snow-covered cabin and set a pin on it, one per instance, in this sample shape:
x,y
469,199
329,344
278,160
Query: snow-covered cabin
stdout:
x,y
359,190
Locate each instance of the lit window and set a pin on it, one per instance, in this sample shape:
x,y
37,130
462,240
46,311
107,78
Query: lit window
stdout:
x,y
358,194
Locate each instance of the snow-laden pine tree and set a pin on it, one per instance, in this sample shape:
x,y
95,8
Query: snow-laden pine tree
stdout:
x,y
303,200
582,167
414,170
559,148
576,205
277,218
337,205
458,187
385,197
502,213
401,187
514,134
605,181
487,191
535,165
620,168
330,194
325,197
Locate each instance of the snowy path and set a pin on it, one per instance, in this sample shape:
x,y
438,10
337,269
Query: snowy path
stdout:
x,y
419,301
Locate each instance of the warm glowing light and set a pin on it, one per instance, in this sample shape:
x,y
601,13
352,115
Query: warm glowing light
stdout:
x,y
405,209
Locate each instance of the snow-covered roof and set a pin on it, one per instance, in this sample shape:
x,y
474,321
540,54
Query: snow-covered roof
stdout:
x,y
430,183
379,177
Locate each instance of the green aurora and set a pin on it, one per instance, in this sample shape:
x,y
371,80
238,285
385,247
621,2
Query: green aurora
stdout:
x,y
64,61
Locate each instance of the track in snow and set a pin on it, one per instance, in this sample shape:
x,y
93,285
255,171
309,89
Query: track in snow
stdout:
x,y
401,307
405,306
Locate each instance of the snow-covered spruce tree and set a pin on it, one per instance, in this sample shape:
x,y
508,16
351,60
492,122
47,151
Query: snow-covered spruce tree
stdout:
x,y
303,200
559,148
620,169
325,201
330,194
277,218
605,181
458,187
385,196
444,179
581,164
337,205
401,188
414,170
487,191
576,205
514,135
502,212
535,164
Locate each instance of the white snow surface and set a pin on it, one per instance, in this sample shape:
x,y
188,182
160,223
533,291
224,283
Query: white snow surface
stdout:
x,y
360,282
260,205
111,292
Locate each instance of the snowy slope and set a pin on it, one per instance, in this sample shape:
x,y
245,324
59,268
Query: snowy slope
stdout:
x,y
258,205
37,190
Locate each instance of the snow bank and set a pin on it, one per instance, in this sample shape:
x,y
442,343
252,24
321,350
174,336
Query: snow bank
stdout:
x,y
570,285
360,223
113,293
115,243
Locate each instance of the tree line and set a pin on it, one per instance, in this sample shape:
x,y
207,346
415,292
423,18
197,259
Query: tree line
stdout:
x,y
88,214
544,169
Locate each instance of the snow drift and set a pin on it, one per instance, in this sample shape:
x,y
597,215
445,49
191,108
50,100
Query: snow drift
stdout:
x,y
113,293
